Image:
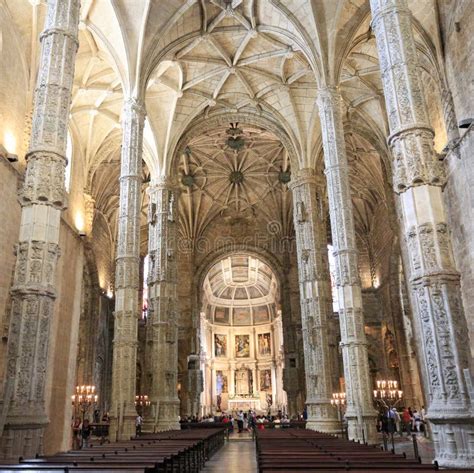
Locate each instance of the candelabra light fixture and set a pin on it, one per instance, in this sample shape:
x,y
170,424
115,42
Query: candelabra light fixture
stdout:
x,y
142,401
387,396
339,401
83,399
388,393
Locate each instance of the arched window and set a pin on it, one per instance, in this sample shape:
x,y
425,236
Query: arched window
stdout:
x,y
332,270
67,175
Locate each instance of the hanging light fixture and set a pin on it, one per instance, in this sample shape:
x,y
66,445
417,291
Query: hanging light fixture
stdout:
x,y
235,141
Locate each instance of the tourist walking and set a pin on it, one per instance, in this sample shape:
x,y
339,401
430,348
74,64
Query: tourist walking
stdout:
x,y
416,421
406,421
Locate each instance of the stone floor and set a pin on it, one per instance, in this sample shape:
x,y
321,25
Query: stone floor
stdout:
x,y
405,445
236,456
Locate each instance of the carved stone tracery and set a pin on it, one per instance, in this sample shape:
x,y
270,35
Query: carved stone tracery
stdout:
x,y
42,200
127,280
360,413
162,325
435,283
315,298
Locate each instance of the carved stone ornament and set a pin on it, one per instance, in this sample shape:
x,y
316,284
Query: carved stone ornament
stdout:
x,y
435,284
33,293
311,241
356,371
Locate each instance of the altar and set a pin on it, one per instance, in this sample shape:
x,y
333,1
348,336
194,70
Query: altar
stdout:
x,y
244,403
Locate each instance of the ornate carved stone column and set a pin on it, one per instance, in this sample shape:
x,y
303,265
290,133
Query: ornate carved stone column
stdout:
x,y
127,275
360,413
162,297
42,200
291,383
313,270
435,283
194,375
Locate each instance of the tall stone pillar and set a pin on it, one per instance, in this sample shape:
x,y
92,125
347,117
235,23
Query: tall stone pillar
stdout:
x,y
42,200
434,281
291,383
162,297
127,275
313,273
360,412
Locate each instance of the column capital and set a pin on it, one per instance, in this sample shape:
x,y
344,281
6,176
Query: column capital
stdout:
x,y
163,183
328,94
306,176
380,8
135,105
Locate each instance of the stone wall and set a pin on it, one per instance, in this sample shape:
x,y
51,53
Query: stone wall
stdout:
x,y
10,217
457,19
65,324
64,340
13,85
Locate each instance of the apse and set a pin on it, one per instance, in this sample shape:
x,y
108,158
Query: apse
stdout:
x,y
241,337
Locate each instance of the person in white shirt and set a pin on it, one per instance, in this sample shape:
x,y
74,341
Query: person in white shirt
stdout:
x,y
138,425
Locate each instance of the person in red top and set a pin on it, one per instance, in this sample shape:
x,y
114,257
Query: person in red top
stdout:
x,y
406,421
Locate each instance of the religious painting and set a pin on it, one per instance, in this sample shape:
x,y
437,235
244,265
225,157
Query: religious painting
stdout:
x,y
264,347
243,381
260,314
242,316
265,380
221,315
221,382
220,345
242,346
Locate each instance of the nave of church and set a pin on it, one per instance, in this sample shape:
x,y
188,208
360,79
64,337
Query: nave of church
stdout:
x,y
213,208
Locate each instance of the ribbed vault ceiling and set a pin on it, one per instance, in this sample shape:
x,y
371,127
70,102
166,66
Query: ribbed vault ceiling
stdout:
x,y
220,182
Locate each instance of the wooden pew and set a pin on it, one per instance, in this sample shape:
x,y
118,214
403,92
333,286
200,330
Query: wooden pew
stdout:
x,y
297,451
164,452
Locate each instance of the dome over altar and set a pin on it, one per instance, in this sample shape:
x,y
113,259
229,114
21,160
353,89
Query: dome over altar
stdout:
x,y
240,290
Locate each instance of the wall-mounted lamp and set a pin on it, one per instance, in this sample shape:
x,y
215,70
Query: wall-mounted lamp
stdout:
x,y
13,158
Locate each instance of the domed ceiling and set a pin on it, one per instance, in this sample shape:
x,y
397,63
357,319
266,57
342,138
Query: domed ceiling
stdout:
x,y
240,290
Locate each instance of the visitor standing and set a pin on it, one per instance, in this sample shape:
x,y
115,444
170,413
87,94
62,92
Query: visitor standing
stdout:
x,y
76,433
240,421
138,425
86,431
396,419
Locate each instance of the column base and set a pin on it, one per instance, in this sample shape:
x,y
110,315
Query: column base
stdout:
x,y
23,433
322,417
124,431
453,441
328,426
22,439
362,429
168,416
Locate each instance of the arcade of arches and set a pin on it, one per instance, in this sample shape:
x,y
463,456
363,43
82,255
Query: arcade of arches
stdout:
x,y
172,174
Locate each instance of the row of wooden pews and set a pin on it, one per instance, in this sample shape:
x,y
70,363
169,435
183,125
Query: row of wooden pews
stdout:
x,y
164,452
298,451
